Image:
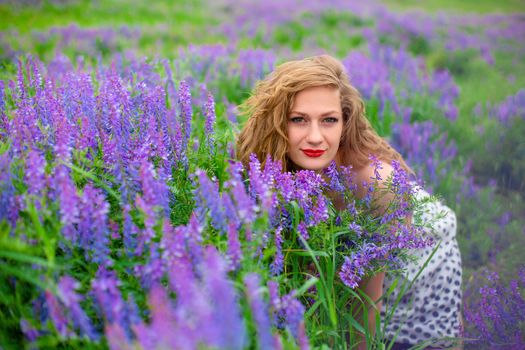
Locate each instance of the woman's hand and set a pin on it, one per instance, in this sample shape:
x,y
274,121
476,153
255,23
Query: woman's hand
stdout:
x,y
373,288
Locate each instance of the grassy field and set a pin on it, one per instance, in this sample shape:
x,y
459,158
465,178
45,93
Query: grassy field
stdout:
x,y
454,6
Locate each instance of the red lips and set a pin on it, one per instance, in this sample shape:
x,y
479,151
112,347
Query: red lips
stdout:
x,y
314,153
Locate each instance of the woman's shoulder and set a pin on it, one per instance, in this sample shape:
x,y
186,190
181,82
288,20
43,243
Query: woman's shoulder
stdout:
x,y
373,171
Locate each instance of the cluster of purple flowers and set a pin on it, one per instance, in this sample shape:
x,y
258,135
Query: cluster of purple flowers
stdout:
x,y
85,41
494,314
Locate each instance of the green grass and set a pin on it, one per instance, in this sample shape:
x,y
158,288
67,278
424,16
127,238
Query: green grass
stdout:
x,y
163,25
85,13
475,6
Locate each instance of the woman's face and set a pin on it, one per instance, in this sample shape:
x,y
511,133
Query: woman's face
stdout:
x,y
315,125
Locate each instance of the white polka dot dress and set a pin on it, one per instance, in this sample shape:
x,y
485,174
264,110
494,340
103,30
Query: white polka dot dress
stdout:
x,y
431,308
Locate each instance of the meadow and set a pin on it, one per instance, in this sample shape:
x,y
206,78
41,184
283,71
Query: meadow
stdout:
x,y
126,222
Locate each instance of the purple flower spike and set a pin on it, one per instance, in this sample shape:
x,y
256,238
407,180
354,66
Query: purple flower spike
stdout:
x,y
376,163
35,176
303,230
302,339
207,196
294,314
117,338
105,288
278,262
163,330
69,204
259,310
8,206
234,247
186,113
246,207
71,300
209,113
333,174
56,313
93,226
356,264
4,121
231,331
154,191
30,333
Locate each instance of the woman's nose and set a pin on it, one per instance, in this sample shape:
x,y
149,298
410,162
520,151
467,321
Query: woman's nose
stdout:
x,y
314,135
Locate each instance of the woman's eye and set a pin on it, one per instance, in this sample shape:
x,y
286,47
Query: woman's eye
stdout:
x,y
331,120
297,119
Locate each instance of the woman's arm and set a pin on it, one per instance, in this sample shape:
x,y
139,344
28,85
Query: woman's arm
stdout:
x,y
373,285
373,288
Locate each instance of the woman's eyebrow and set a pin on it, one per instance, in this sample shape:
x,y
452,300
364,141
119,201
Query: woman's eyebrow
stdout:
x,y
322,115
331,113
300,113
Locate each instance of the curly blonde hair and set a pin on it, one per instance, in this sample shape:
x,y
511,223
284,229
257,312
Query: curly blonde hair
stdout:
x,y
267,109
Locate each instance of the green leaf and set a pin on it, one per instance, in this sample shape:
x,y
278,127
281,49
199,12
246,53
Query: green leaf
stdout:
x,y
307,285
23,275
25,258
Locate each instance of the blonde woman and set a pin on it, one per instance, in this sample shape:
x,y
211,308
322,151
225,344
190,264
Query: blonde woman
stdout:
x,y
306,114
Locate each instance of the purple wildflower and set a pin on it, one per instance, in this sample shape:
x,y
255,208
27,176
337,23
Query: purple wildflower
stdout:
x,y
369,193
4,121
71,300
246,207
496,314
179,144
31,334
288,312
275,300
376,163
116,337
163,330
303,230
231,333
193,234
356,265
230,211
206,312
257,185
320,211
335,178
105,289
173,245
128,231
354,226
8,207
293,313
400,180
93,227
182,280
154,190
69,203
259,310
262,182
347,176
35,176
152,270
277,265
207,193
302,338
147,234
57,315
285,186
209,113
234,247
186,113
